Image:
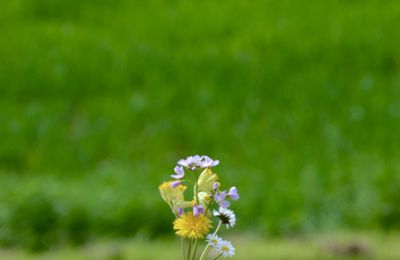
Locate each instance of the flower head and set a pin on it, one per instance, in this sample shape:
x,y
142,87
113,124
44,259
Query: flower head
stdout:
x,y
216,185
196,161
225,248
175,184
226,216
180,173
197,210
191,162
189,226
233,193
220,198
213,239
207,162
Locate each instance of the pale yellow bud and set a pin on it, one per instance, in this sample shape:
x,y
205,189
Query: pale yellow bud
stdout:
x,y
204,199
206,181
173,196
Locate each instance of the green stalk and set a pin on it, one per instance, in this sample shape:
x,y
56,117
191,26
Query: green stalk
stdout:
x,y
194,250
197,188
197,202
189,249
207,208
217,257
207,249
183,248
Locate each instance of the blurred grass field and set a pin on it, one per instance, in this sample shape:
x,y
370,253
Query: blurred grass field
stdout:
x,y
327,246
300,100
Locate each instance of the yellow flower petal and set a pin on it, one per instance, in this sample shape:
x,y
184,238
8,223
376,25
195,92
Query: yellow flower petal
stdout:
x,y
189,226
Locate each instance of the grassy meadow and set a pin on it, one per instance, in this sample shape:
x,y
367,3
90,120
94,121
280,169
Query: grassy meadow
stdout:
x,y
323,246
300,100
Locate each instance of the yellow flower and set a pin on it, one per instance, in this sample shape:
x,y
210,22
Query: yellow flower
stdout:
x,y
206,181
173,196
189,226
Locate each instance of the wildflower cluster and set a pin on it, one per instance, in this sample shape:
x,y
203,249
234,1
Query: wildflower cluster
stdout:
x,y
194,217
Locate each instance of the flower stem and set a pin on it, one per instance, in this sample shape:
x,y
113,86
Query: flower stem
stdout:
x,y
183,248
218,227
189,249
217,257
196,191
197,188
205,252
194,250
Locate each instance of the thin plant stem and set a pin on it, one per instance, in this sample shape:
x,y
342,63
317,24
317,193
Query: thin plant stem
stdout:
x,y
194,250
183,248
197,188
218,227
189,249
197,202
217,257
207,208
205,252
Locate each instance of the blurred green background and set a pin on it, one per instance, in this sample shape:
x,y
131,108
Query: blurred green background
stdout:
x,y
300,100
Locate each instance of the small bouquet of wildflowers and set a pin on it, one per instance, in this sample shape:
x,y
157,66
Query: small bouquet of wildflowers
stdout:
x,y
193,218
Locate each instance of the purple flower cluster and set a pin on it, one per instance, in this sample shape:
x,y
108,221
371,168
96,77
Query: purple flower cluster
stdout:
x,y
193,163
197,161
221,196
197,210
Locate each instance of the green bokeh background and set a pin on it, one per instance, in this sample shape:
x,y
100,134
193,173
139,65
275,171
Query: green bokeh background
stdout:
x,y
300,100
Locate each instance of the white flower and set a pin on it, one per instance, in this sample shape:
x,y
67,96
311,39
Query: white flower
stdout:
x,y
226,216
213,239
225,248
